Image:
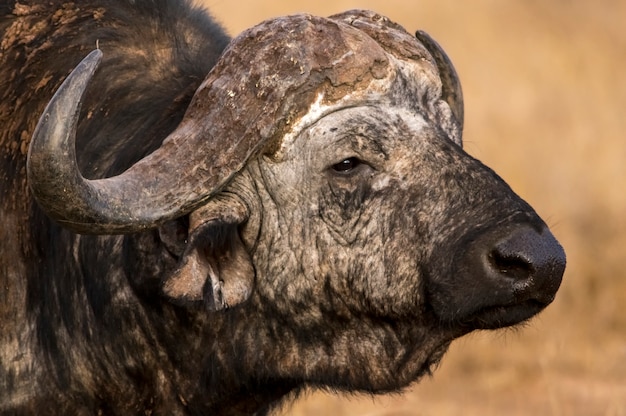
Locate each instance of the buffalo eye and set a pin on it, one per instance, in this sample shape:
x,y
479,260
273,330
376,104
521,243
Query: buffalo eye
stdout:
x,y
346,165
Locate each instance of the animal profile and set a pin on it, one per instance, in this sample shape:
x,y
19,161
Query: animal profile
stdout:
x,y
193,224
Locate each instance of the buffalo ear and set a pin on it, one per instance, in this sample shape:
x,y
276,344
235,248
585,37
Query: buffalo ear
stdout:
x,y
215,267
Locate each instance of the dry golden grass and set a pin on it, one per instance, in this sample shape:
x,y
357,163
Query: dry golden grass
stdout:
x,y
545,94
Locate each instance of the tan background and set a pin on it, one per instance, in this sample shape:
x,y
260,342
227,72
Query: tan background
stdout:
x,y
545,93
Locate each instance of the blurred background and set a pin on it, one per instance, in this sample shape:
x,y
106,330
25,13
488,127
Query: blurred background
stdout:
x,y
545,107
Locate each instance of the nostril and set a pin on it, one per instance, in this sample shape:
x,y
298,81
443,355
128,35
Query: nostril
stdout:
x,y
532,262
511,264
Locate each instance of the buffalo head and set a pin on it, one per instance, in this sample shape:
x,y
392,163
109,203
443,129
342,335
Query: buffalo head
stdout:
x,y
321,168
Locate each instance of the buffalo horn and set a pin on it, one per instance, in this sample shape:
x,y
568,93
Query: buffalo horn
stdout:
x,y
147,194
266,80
451,86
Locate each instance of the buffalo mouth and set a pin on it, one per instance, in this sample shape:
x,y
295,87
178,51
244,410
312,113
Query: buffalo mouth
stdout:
x,y
494,317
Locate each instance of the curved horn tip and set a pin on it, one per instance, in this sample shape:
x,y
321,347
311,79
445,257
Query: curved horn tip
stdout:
x,y
451,85
58,121
92,60
51,162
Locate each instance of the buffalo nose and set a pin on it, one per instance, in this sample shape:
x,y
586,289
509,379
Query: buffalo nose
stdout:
x,y
499,276
529,262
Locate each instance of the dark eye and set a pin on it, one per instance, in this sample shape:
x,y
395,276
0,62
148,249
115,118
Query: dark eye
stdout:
x,y
346,165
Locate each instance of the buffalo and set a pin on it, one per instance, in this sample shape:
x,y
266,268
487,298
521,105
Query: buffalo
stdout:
x,y
191,224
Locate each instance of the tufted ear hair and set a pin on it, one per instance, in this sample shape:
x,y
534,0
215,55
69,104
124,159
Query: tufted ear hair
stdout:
x,y
215,267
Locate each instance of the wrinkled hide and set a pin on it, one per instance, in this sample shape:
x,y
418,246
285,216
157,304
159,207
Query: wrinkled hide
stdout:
x,y
261,216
